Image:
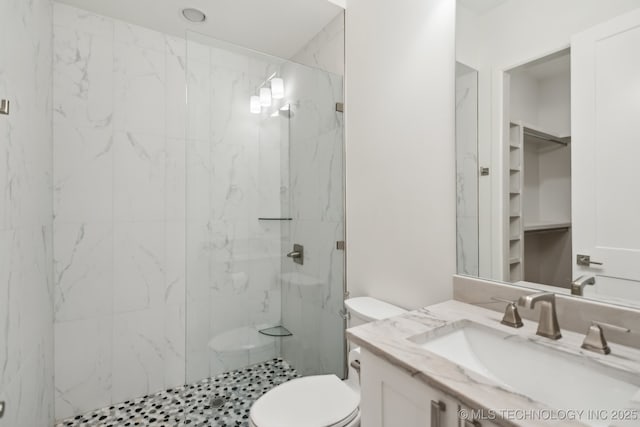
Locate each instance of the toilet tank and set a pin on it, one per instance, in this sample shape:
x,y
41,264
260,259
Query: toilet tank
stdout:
x,y
366,309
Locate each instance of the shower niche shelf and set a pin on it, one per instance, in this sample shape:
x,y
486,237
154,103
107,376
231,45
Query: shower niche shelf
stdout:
x,y
276,331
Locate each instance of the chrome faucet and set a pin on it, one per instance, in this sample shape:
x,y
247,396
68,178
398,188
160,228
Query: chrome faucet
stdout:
x,y
511,316
577,286
548,326
595,340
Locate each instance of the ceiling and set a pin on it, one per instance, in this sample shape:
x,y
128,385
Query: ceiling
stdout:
x,y
480,6
276,27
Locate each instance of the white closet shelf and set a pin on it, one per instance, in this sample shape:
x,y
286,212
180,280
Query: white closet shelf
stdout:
x,y
539,134
546,225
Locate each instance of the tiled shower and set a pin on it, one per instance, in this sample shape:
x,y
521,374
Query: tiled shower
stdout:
x,y
171,223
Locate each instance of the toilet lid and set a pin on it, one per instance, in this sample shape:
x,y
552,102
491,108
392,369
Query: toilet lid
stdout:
x,y
315,401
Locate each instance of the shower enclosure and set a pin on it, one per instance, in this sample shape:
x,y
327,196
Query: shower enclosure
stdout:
x,y
258,181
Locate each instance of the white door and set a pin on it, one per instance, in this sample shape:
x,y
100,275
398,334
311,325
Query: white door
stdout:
x,y
605,160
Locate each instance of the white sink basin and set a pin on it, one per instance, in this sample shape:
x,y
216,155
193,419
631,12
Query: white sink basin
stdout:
x,y
548,376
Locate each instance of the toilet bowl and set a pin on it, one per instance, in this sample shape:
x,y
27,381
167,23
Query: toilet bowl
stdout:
x,y
322,400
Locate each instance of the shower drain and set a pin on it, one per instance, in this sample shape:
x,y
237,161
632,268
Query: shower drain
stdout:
x,y
218,402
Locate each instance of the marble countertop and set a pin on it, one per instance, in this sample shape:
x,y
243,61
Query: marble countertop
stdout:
x,y
388,339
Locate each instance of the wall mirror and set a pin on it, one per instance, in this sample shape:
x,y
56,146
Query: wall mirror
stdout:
x,y
547,142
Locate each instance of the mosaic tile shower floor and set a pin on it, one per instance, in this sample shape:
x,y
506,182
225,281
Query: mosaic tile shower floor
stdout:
x,y
190,405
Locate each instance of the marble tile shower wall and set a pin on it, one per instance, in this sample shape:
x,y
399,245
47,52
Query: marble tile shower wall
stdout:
x,y
233,177
313,292
467,174
119,154
26,286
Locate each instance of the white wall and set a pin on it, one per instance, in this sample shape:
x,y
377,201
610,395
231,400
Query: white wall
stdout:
x,y
400,150
26,285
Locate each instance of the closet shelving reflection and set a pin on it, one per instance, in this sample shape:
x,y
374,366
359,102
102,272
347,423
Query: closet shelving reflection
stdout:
x,y
531,212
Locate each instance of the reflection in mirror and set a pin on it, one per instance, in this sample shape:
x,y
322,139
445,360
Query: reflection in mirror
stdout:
x,y
545,145
467,169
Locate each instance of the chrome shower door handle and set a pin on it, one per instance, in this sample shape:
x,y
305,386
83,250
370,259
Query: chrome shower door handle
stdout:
x,y
4,107
437,408
297,254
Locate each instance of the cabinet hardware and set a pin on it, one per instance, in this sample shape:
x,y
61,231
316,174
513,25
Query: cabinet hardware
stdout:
x,y
437,408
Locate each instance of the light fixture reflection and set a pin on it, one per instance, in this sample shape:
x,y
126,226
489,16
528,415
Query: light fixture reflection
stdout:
x,y
265,97
254,106
277,88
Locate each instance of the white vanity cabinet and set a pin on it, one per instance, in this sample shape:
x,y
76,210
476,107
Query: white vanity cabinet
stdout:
x,y
467,420
390,397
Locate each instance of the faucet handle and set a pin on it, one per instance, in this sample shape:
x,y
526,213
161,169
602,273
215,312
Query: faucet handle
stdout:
x,y
595,340
577,286
511,316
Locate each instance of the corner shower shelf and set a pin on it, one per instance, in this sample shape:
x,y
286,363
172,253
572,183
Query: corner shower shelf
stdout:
x,y
276,331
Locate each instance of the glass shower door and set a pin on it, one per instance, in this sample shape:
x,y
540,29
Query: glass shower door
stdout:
x,y
313,292
259,181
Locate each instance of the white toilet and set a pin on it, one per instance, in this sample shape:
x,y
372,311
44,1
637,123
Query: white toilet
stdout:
x,y
322,400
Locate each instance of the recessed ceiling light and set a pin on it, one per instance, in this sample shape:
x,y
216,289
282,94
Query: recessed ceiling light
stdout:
x,y
194,15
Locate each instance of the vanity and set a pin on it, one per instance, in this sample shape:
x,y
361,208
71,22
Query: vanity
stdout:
x,y
456,364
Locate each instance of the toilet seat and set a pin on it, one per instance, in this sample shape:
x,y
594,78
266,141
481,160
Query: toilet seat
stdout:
x,y
315,401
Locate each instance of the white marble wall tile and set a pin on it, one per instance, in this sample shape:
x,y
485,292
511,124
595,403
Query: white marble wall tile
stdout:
x,y
83,72
79,153
199,177
175,180
138,266
326,49
230,189
467,174
135,35
10,274
139,79
316,93
83,270
138,354
199,97
175,260
175,87
139,177
120,177
69,17
173,355
83,367
26,297
270,167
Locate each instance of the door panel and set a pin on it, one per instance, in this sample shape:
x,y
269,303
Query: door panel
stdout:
x,y
605,104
